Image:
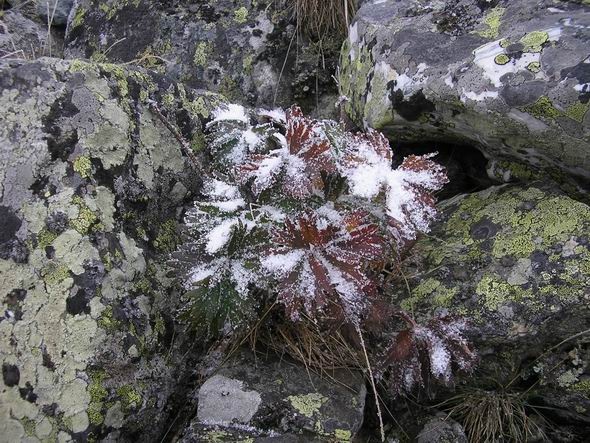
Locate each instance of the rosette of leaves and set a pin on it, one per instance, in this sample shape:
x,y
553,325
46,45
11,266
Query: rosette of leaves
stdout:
x,y
303,211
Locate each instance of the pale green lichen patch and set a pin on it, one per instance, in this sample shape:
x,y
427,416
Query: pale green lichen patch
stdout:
x,y
241,15
83,166
492,21
201,54
167,238
308,404
501,59
543,108
130,398
578,111
87,219
534,67
534,41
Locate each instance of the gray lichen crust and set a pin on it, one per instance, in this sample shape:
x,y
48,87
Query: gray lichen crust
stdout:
x,y
90,183
512,78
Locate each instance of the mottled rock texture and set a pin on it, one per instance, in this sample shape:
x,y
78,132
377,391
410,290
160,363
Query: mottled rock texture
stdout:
x,y
516,262
247,50
511,78
21,37
90,183
266,399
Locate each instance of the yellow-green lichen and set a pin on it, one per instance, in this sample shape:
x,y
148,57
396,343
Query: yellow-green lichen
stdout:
x,y
78,19
29,426
583,387
501,59
578,111
543,108
87,220
247,63
534,41
308,404
97,393
130,398
241,15
342,435
106,319
45,238
201,54
534,67
83,166
492,22
53,274
496,292
167,238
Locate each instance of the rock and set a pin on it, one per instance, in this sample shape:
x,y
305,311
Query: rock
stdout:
x,y
266,399
510,78
26,39
90,348
442,430
515,261
55,11
242,49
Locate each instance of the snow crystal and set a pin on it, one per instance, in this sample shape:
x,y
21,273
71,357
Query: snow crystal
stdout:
x,y
277,115
266,173
282,264
251,139
218,188
200,273
440,360
230,112
228,206
220,235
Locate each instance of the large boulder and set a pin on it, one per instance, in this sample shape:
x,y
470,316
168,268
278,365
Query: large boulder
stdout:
x,y
27,39
91,187
269,399
249,51
511,78
515,261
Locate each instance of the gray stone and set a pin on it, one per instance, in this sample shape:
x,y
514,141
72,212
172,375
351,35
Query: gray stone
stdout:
x,y
55,11
88,219
510,78
246,50
23,38
267,399
442,430
223,401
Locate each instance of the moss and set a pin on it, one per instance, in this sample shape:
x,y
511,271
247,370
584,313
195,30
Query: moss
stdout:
x,y
130,398
167,238
543,108
201,55
78,19
501,59
83,166
534,67
241,15
534,41
78,65
198,142
87,220
308,404
45,238
53,275
492,20
578,111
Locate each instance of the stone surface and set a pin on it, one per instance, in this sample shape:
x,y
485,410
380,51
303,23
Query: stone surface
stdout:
x,y
441,430
245,50
515,261
55,11
27,39
511,78
266,399
90,186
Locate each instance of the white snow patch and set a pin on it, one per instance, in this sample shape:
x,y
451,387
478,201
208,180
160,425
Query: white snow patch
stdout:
x,y
471,95
282,264
230,112
220,235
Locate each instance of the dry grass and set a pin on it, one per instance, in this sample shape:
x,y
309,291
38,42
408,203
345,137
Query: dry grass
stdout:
x,y
495,416
319,18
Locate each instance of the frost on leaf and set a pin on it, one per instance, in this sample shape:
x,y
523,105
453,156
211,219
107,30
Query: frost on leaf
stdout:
x,y
322,266
421,352
298,164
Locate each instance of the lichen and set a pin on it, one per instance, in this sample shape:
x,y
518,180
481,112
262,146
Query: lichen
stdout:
x,y
130,398
501,59
543,108
87,220
106,319
53,274
45,238
97,393
492,21
241,15
308,404
167,238
342,435
201,54
534,67
83,166
496,292
534,41
577,111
